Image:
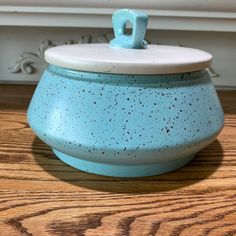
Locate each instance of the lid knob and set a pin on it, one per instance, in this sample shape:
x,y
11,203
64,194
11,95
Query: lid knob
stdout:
x,y
138,22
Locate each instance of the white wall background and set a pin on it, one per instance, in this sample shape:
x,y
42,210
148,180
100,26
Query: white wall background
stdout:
x,y
24,25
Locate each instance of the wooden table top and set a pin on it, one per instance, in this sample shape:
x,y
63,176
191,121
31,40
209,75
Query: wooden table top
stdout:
x,y
40,195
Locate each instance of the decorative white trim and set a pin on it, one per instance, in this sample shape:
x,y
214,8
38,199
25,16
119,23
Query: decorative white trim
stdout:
x,y
190,5
100,17
28,61
28,39
212,72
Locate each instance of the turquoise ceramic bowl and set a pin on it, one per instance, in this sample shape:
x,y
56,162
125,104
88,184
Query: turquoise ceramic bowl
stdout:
x,y
128,109
125,125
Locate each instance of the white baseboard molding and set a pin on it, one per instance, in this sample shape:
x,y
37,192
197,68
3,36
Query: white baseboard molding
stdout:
x,y
95,16
21,49
199,5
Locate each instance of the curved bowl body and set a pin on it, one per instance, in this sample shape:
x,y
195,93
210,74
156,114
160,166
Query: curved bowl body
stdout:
x,y
125,125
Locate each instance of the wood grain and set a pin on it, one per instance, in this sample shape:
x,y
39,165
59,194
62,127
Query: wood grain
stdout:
x,y
40,195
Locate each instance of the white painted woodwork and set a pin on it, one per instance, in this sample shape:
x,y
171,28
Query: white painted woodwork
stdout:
x,y
25,24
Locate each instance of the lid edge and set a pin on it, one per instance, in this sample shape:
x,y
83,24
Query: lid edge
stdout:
x,y
112,68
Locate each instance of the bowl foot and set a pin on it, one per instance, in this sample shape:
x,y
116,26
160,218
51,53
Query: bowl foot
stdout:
x,y
122,170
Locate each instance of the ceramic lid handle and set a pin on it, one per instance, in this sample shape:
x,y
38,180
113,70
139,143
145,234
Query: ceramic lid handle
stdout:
x,y
138,22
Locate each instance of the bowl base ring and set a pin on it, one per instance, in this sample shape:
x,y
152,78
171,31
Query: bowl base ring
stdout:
x,y
115,170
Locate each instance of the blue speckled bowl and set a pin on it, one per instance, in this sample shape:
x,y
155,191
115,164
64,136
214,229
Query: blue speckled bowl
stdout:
x,y
125,125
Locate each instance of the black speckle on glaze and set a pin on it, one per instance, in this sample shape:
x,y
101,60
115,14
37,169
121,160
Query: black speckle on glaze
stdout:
x,y
134,116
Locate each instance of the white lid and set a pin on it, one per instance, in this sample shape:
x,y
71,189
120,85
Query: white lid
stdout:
x,y
155,59
128,54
